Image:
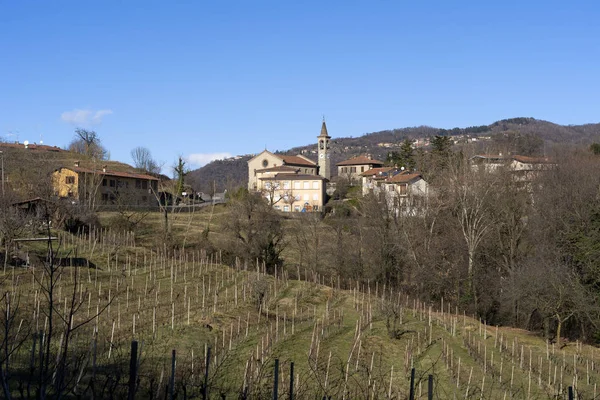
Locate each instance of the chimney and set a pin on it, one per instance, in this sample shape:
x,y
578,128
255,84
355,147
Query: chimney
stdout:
x,y
77,163
104,168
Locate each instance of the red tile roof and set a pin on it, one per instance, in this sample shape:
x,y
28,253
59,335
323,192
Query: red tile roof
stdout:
x,y
297,160
404,178
112,173
360,160
377,171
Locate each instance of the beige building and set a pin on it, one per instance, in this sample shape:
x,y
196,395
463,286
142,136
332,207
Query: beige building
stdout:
x,y
100,187
291,191
266,164
353,168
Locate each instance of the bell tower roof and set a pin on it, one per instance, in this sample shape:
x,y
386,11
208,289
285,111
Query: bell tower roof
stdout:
x,y
324,130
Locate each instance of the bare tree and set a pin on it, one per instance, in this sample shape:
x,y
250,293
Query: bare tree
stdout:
x,y
471,193
255,230
142,159
270,191
87,142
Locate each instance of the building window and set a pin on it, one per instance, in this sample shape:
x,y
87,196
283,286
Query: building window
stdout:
x,y
306,197
306,185
362,169
105,197
391,188
286,208
144,185
286,185
144,198
296,185
315,197
70,180
315,184
265,163
277,208
297,208
315,208
352,169
403,190
104,182
112,183
138,184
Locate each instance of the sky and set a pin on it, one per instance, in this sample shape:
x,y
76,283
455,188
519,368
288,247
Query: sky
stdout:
x,y
210,79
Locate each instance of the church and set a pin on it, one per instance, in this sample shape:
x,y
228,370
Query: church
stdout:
x,y
292,183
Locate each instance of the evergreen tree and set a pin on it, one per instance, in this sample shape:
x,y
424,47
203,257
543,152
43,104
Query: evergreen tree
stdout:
x,y
180,173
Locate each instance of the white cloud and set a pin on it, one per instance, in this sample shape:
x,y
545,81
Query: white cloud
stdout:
x,y
87,117
200,159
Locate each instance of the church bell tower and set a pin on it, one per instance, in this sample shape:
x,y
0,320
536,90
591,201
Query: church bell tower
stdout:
x,y
323,146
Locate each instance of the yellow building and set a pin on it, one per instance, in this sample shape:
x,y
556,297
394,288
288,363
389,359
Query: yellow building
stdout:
x,y
101,187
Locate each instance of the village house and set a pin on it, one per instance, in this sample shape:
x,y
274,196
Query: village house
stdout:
x,y
374,178
404,192
352,168
103,186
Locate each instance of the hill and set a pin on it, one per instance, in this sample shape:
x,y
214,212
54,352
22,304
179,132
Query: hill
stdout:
x,y
522,135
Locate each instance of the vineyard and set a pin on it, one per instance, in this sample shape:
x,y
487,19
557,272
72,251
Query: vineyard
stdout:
x,y
207,329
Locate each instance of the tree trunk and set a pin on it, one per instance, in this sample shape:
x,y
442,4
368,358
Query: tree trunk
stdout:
x,y
558,329
471,278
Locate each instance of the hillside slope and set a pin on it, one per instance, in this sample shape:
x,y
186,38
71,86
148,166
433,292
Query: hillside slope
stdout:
x,y
346,340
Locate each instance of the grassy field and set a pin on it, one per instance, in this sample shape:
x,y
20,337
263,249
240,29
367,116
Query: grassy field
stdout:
x,y
346,340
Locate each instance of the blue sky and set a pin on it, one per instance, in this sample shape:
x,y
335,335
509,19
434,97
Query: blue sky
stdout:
x,y
205,79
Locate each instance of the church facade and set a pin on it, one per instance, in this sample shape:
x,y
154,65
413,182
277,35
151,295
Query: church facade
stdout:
x,y
292,183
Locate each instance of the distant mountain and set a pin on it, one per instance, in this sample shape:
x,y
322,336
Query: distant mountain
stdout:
x,y
509,135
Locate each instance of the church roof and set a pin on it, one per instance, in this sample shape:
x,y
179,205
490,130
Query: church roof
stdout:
x,y
297,160
293,177
279,168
